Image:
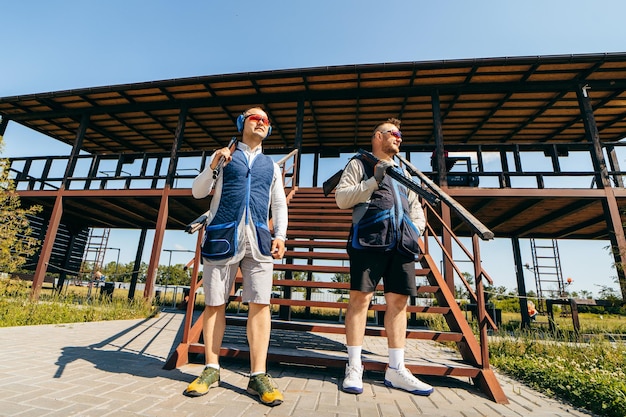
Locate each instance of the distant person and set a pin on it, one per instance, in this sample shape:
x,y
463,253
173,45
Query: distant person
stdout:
x,y
532,310
238,236
97,279
387,220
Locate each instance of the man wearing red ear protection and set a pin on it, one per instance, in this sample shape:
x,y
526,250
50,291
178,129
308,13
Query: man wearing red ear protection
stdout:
x,y
238,237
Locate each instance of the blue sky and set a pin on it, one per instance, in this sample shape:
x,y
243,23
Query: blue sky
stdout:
x,y
64,45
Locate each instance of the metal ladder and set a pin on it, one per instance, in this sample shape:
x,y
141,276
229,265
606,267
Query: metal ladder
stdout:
x,y
547,270
95,250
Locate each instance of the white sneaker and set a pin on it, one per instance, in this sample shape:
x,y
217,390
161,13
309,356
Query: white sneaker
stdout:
x,y
353,381
403,379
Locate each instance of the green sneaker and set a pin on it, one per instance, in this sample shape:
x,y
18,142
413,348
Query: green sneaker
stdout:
x,y
263,386
210,377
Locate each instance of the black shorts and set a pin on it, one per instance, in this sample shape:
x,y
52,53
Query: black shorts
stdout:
x,y
396,270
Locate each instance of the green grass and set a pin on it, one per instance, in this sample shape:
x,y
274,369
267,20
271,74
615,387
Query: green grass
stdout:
x,y
16,308
587,375
589,323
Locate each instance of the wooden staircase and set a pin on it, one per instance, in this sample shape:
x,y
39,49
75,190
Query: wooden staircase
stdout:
x,y
316,240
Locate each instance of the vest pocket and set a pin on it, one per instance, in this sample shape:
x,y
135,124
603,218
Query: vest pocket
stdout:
x,y
409,235
220,241
374,232
264,238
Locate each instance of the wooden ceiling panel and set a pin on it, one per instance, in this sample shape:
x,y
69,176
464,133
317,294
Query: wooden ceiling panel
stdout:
x,y
480,99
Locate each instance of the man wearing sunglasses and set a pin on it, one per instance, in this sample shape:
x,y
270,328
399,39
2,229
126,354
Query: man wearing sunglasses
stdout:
x,y
387,220
238,236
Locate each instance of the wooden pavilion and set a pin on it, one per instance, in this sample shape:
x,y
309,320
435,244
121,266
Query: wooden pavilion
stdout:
x,y
136,148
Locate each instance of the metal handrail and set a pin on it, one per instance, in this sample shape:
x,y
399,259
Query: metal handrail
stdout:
x,y
476,225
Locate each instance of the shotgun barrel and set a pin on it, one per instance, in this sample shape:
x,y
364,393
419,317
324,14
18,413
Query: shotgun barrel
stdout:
x,y
397,174
200,221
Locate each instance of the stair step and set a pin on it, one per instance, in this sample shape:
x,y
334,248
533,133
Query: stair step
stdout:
x,y
324,234
339,328
318,212
329,269
341,256
338,244
327,217
320,225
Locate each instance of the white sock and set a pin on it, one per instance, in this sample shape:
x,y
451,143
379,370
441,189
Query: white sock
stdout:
x,y
396,358
212,365
354,356
256,373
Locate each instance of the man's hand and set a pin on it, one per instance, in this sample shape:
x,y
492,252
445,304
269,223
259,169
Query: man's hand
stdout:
x,y
380,169
278,248
221,153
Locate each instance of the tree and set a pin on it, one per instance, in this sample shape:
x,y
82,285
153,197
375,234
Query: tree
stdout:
x,y
461,291
340,278
296,276
16,242
172,275
608,293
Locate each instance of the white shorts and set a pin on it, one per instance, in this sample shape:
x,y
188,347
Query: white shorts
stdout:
x,y
218,280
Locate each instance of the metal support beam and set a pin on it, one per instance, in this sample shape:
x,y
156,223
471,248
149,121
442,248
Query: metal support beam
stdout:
x,y
480,302
48,243
137,265
157,244
178,140
609,204
4,122
298,139
161,224
439,157
614,164
439,161
505,180
78,144
521,284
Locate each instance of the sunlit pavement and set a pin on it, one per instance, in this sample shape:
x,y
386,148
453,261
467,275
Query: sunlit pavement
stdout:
x,y
115,368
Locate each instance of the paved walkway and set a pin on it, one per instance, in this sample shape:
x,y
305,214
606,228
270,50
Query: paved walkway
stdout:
x,y
115,368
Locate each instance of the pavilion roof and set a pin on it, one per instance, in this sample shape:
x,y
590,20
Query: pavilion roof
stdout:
x,y
506,100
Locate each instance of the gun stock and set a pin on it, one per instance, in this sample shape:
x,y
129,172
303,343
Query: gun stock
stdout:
x,y
196,225
220,163
330,184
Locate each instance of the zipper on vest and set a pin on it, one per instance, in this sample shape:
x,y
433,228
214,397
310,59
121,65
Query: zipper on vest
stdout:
x,y
248,186
399,211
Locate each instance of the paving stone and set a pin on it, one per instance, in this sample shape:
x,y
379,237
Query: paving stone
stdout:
x,y
115,368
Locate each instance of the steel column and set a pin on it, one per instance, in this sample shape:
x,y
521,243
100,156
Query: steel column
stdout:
x,y
609,204
298,140
521,284
441,179
137,265
157,244
4,122
48,243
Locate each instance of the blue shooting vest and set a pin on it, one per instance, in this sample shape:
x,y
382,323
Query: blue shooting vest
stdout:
x,y
386,224
245,192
